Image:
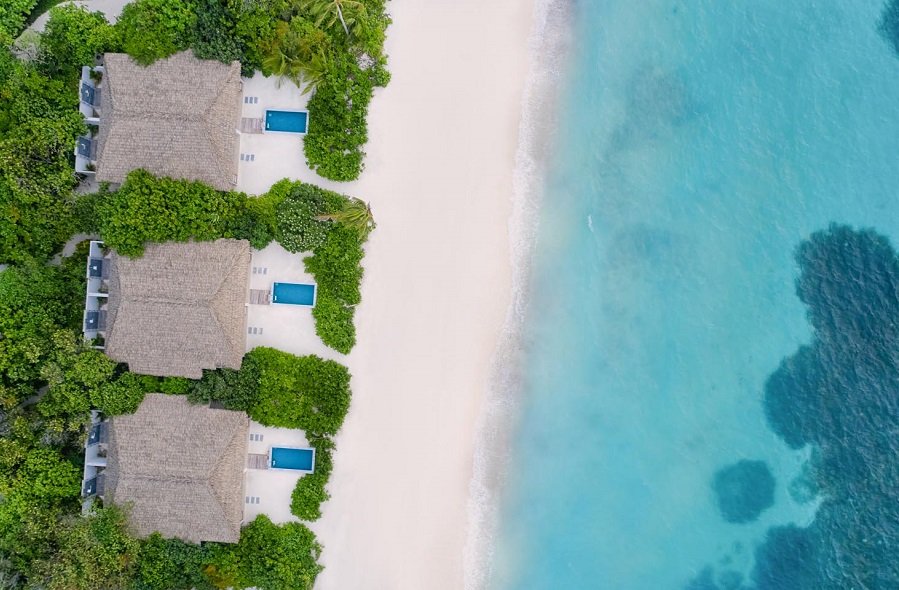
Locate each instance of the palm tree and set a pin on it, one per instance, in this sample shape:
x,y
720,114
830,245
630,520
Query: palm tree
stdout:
x,y
299,56
356,213
351,14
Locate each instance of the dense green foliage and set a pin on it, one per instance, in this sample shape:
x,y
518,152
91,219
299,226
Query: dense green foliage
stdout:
x,y
306,392
39,122
149,209
74,37
337,268
171,564
37,305
299,52
94,552
153,29
283,390
310,492
337,118
38,486
12,18
213,35
299,229
235,390
268,557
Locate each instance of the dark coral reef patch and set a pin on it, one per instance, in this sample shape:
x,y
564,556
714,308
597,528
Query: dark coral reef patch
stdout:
x,y
840,394
744,490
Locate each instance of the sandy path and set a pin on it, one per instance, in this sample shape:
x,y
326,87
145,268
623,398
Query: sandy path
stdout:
x,y
439,176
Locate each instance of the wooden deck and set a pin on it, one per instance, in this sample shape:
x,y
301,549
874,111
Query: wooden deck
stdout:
x,y
250,125
260,296
257,461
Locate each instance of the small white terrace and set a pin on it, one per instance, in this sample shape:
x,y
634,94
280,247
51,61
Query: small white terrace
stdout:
x,y
268,491
290,328
266,158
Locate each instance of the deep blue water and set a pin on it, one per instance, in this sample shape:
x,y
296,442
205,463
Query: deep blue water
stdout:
x,y
293,293
300,459
691,419
288,121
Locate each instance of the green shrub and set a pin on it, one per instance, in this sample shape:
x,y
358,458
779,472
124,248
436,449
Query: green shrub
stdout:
x,y
258,222
306,392
310,492
236,390
254,26
336,264
94,552
12,18
298,228
170,564
175,385
73,37
36,182
337,126
149,209
213,35
334,322
269,557
154,29
121,396
35,303
38,485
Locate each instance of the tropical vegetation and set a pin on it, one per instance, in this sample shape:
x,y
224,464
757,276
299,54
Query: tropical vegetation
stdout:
x,y
50,379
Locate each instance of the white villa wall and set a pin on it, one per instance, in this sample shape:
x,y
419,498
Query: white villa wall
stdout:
x,y
273,487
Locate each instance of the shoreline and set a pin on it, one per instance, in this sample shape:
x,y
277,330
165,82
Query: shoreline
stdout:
x,y
440,175
548,55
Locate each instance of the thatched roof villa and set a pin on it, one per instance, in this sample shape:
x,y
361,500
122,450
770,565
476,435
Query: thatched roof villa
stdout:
x,y
179,469
177,117
180,308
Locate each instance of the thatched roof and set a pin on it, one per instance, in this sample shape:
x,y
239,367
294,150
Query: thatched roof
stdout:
x,y
180,308
177,117
179,468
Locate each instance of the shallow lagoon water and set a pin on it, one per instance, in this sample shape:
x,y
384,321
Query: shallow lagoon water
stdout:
x,y
701,143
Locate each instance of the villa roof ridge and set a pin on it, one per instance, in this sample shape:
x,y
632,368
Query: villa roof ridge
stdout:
x,y
180,308
181,466
176,117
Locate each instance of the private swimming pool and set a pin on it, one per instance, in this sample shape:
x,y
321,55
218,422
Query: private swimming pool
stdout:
x,y
287,121
293,294
293,459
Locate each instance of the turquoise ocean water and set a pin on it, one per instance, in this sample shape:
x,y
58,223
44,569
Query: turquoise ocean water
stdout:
x,y
700,144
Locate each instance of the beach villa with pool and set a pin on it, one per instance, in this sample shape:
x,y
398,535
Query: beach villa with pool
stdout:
x,y
187,118
193,472
183,308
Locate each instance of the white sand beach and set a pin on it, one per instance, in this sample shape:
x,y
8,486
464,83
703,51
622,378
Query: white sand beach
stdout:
x,y
442,148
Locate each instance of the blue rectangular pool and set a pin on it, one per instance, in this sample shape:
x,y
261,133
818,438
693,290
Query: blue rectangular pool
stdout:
x,y
287,121
293,294
293,459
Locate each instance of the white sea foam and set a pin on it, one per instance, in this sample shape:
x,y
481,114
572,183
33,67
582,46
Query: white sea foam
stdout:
x,y
549,51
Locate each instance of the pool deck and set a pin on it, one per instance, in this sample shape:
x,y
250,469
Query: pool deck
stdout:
x,y
273,487
277,155
290,328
